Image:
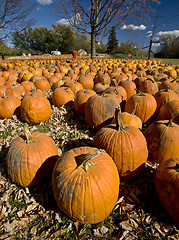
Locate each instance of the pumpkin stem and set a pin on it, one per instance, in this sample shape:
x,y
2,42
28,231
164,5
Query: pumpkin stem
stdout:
x,y
4,95
84,160
28,135
149,79
171,119
119,124
177,167
141,93
115,82
134,109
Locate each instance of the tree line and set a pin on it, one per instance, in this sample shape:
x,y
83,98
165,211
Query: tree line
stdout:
x,y
169,47
40,40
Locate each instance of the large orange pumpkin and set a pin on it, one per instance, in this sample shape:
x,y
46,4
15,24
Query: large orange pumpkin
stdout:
x,y
85,184
125,144
30,158
162,140
99,110
145,108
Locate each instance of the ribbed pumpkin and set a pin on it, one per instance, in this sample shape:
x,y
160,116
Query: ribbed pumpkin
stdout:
x,y
8,106
87,81
145,108
167,187
148,86
168,110
129,86
62,95
30,158
162,140
81,99
99,110
164,96
35,108
125,144
85,184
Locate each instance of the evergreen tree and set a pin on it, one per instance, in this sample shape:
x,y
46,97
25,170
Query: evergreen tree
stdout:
x,y
112,41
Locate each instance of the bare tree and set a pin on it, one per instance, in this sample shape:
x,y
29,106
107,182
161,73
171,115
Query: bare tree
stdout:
x,y
14,15
97,17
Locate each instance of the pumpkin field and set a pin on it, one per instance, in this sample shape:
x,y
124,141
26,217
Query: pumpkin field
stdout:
x,y
89,148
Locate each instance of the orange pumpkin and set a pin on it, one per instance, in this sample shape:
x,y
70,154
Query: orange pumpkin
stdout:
x,y
35,108
168,110
8,106
145,109
81,99
125,144
99,110
85,184
162,140
62,95
164,96
167,187
30,158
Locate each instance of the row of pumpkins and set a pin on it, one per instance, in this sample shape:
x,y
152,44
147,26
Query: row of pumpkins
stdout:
x,y
118,98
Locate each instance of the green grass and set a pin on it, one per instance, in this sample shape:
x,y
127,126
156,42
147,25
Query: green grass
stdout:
x,y
163,60
167,60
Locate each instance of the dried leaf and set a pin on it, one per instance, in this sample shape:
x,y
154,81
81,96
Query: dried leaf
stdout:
x,y
32,207
104,230
125,225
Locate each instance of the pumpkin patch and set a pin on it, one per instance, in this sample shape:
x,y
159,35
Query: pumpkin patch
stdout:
x,y
99,136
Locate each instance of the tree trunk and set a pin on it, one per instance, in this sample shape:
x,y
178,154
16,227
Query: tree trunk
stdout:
x,y
93,47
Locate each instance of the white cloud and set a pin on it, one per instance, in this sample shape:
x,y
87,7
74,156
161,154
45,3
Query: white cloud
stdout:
x,y
133,27
45,2
156,38
174,32
63,21
149,33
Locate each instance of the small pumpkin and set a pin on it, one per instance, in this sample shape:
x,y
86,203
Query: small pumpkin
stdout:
x,y
130,118
30,158
85,184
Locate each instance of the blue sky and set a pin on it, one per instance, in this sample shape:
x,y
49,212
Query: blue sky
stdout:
x,y
137,31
